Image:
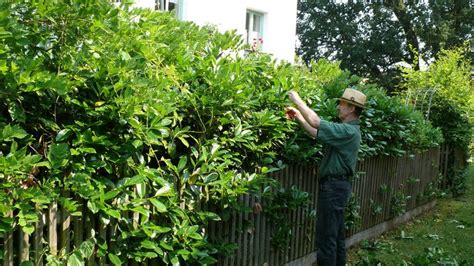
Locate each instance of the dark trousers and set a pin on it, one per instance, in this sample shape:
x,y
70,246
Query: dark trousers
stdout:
x,y
330,233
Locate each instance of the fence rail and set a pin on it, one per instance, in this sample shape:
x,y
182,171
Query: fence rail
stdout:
x,y
387,186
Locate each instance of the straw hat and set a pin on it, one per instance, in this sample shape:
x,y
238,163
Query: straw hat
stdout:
x,y
354,97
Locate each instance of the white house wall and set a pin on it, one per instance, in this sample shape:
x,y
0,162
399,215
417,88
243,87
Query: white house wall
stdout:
x,y
279,29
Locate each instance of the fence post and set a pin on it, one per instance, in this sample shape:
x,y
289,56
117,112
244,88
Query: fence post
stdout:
x,y
38,244
65,230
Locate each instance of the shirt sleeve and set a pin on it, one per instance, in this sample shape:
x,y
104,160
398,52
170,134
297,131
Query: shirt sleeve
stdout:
x,y
335,134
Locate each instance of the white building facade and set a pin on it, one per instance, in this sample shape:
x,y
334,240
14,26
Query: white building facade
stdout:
x,y
268,24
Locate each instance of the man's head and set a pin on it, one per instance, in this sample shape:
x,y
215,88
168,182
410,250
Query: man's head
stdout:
x,y
351,105
347,111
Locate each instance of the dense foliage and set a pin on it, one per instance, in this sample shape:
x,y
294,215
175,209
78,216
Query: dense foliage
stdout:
x,y
444,94
372,37
136,112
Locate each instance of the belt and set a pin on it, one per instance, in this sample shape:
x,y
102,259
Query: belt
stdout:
x,y
335,177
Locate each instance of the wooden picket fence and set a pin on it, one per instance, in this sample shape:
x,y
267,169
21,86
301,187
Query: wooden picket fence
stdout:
x,y
382,180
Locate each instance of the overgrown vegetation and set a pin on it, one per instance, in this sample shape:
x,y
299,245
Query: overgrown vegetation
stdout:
x,y
136,112
444,94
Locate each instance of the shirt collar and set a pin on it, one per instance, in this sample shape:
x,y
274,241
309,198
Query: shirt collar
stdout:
x,y
354,122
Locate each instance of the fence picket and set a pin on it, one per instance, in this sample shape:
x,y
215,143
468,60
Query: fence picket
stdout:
x,y
8,245
103,235
245,233
65,231
38,243
24,246
77,222
90,225
52,228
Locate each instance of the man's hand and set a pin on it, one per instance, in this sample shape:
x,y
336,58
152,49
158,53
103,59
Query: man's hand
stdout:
x,y
307,118
294,97
292,113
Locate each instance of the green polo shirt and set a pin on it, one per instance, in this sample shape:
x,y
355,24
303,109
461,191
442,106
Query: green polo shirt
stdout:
x,y
341,143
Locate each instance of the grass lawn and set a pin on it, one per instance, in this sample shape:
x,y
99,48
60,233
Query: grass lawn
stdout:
x,y
444,236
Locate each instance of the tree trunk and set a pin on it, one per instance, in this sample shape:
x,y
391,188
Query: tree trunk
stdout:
x,y
400,11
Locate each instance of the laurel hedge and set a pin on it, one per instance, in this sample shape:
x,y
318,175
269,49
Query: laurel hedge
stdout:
x,y
135,111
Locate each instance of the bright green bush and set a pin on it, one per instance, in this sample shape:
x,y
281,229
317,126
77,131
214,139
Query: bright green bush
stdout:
x,y
446,87
444,94
138,112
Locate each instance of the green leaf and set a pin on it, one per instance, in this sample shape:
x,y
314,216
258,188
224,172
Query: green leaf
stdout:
x,y
53,261
209,216
92,206
182,163
111,194
16,112
183,252
87,150
86,248
141,189
152,245
114,259
113,213
101,247
166,190
28,229
160,207
175,261
125,56
134,180
210,178
156,229
142,211
63,135
184,141
164,245
74,260
13,132
59,85
164,122
134,123
208,260
58,155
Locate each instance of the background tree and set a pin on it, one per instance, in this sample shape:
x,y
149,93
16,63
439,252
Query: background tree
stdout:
x,y
370,40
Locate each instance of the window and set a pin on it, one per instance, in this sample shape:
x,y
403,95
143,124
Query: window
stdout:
x,y
254,28
166,5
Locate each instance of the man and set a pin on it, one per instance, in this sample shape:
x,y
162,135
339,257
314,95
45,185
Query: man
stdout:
x,y
341,144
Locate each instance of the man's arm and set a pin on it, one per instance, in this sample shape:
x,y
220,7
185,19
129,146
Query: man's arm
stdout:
x,y
310,117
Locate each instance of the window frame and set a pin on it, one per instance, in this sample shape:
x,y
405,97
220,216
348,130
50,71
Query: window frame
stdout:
x,y
250,15
164,5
